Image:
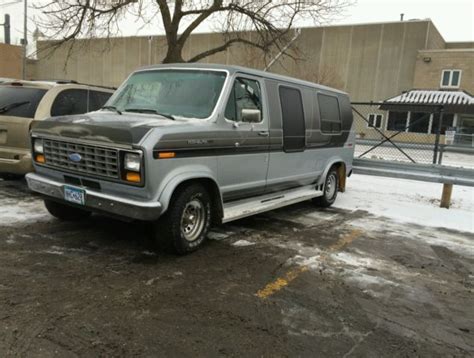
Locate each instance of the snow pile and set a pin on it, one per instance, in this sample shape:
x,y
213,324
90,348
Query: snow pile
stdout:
x,y
409,201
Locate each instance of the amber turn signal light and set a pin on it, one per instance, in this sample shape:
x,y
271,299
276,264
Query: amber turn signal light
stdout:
x,y
133,177
166,155
40,158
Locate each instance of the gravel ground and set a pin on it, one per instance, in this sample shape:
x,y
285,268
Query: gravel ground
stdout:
x,y
293,282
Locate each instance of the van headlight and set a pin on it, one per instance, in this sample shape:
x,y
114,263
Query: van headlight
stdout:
x,y
132,162
38,146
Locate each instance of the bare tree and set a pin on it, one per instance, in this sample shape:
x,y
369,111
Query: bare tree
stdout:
x,y
261,24
327,75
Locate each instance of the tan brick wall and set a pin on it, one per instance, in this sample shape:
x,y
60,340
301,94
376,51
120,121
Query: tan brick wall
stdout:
x,y
428,74
10,61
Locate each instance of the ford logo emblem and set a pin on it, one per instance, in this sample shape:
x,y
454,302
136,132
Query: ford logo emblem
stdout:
x,y
75,157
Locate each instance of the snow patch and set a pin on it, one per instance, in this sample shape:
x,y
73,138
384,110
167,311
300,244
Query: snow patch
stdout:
x,y
409,201
14,212
214,235
243,243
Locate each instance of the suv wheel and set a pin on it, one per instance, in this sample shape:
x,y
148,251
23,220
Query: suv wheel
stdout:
x,y
65,212
185,225
331,185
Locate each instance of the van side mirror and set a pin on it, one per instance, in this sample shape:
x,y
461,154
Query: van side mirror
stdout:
x,y
251,115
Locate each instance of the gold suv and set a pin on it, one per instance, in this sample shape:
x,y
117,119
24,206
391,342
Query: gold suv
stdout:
x,y
24,103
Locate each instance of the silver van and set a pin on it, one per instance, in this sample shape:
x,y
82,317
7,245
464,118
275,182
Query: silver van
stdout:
x,y
186,146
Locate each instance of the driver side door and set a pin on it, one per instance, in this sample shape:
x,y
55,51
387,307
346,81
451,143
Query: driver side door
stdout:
x,y
243,164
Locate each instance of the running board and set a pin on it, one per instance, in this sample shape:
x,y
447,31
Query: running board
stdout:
x,y
240,209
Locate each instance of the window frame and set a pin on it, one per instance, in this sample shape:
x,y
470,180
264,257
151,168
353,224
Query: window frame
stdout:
x,y
450,79
318,94
375,117
249,78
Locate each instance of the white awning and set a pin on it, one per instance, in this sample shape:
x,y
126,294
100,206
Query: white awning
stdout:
x,y
452,101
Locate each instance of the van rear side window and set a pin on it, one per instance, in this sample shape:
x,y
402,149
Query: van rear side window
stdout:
x,y
19,101
293,119
329,114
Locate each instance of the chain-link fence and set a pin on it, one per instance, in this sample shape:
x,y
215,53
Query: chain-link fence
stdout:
x,y
420,134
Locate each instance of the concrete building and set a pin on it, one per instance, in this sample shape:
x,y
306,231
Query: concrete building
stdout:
x,y
10,61
372,62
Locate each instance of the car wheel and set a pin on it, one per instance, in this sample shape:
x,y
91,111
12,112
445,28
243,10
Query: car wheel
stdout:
x,y
65,212
331,185
185,225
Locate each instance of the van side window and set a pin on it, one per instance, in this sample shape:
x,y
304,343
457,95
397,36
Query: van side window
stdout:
x,y
292,114
245,94
70,101
329,114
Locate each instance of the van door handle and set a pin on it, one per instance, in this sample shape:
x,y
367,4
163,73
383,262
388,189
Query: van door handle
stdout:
x,y
264,133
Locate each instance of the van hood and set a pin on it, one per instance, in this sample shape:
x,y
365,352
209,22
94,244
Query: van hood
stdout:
x,y
108,127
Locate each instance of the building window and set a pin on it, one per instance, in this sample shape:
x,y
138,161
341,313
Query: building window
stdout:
x,y
448,122
397,121
419,122
450,78
375,120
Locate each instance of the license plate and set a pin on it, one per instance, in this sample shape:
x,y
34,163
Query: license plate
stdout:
x,y
74,195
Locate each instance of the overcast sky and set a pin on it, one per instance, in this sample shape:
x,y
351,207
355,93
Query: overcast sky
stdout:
x,y
453,18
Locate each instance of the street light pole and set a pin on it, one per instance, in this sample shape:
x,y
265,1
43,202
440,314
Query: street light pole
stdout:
x,y
25,36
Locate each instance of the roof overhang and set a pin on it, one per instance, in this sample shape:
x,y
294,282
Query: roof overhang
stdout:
x,y
431,101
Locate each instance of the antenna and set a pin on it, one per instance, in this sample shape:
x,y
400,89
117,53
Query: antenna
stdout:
x,y
297,34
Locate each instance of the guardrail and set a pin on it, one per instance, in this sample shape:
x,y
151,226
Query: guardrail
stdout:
x,y
448,176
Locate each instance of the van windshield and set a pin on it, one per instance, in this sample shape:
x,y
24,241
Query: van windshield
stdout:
x,y
176,93
18,101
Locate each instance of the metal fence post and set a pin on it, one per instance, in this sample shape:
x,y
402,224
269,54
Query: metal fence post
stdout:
x,y
438,135
441,151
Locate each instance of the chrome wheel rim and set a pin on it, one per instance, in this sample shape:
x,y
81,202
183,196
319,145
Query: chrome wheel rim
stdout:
x,y
193,220
330,189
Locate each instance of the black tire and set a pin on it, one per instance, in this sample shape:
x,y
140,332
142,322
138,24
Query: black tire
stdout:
x,y
65,212
330,189
185,225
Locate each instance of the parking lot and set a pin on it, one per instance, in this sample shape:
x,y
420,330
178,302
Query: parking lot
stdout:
x,y
298,281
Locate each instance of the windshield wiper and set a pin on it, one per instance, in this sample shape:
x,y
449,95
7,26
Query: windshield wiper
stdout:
x,y
149,110
112,108
7,107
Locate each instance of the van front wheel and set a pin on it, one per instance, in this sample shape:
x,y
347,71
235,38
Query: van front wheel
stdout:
x,y
331,185
186,223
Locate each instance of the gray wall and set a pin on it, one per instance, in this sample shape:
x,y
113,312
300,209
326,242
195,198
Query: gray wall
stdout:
x,y
370,61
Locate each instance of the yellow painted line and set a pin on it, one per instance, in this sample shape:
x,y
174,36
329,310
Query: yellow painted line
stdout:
x,y
291,275
345,240
281,282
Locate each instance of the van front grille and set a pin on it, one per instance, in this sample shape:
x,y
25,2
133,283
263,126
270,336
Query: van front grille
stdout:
x,y
88,159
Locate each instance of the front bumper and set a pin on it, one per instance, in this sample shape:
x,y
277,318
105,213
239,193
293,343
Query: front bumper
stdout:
x,y
15,161
97,201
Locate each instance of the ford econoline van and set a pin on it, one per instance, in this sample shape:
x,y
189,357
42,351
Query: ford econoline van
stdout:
x,y
186,146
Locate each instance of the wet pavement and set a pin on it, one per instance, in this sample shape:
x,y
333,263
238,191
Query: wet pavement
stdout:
x,y
299,282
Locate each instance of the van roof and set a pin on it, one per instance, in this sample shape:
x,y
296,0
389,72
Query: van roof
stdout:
x,y
233,69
